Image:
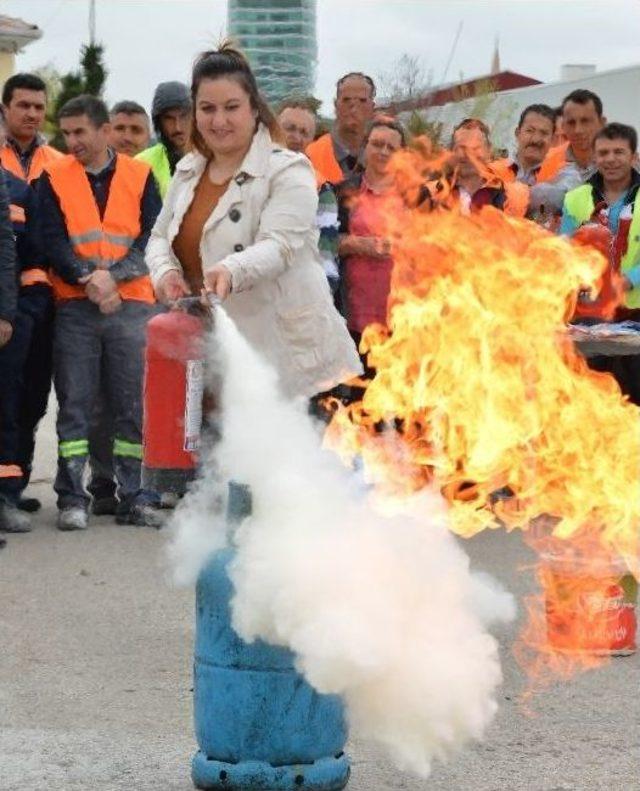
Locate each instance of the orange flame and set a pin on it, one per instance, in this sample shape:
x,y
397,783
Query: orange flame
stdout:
x,y
480,392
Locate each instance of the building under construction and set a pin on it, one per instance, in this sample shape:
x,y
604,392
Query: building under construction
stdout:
x,y
279,38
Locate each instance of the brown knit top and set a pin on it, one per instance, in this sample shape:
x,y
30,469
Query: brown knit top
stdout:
x,y
186,245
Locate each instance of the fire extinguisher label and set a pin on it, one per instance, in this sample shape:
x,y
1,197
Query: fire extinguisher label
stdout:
x,y
193,405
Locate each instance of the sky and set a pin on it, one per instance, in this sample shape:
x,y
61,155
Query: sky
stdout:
x,y
149,41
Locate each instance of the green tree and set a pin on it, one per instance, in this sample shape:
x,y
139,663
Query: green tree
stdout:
x,y
401,88
53,80
93,69
419,126
406,81
482,100
89,78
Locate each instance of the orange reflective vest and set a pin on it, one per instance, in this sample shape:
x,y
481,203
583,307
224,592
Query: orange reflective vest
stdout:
x,y
42,157
324,161
101,241
502,169
553,163
516,194
548,170
10,471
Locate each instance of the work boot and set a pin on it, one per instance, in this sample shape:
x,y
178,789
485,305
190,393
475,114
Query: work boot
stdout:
x,y
74,518
104,506
29,504
12,520
141,515
169,500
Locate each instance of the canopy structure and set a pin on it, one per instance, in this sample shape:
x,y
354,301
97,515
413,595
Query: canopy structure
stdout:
x,y
16,34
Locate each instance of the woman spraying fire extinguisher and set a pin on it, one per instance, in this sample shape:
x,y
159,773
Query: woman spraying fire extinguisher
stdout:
x,y
239,222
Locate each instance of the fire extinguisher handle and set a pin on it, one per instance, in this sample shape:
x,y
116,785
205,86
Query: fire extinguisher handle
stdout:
x,y
211,300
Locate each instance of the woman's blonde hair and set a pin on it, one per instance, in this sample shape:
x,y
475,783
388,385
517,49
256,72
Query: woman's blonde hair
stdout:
x,y
230,63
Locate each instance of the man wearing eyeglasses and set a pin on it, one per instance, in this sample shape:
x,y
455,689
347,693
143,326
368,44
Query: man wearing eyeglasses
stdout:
x,y
298,123
338,154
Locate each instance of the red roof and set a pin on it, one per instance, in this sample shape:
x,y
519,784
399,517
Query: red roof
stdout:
x,y
456,92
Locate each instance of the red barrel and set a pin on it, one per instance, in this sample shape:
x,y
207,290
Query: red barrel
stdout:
x,y
173,391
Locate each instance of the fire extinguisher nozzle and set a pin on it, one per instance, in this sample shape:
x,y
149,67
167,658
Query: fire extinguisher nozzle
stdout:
x,y
206,300
214,300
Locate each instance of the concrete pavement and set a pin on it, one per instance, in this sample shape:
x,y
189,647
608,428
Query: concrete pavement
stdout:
x,y
95,678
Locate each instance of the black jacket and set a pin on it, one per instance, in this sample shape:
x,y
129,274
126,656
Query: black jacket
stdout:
x,y
8,283
597,188
25,228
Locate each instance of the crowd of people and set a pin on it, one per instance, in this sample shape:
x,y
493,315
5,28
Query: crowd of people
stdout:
x,y
216,192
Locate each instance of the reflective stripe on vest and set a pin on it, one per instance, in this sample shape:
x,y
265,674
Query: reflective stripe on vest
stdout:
x,y
42,157
580,205
156,157
17,213
67,449
98,236
324,161
10,471
34,277
101,241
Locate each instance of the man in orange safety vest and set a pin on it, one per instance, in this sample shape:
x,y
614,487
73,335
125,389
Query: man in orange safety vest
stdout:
x,y
97,209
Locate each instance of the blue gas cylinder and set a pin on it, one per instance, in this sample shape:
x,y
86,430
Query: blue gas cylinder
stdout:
x,y
260,726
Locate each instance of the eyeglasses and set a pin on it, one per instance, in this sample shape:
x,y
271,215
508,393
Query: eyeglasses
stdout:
x,y
293,129
380,145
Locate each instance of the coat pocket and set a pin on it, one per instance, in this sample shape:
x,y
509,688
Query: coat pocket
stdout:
x,y
305,334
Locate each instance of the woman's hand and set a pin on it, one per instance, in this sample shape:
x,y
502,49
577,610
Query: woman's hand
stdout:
x,y
171,287
218,281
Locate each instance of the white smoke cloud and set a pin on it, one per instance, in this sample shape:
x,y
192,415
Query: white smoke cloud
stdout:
x,y
379,608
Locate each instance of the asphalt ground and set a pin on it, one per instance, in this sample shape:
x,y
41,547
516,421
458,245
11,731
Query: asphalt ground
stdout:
x,y
95,677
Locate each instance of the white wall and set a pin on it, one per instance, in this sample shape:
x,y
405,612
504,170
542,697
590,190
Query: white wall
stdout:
x,y
619,90
7,66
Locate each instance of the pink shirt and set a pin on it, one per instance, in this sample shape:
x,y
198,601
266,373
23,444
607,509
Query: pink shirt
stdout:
x,y
368,279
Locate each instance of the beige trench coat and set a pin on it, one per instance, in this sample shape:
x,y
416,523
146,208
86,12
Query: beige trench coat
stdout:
x,y
263,230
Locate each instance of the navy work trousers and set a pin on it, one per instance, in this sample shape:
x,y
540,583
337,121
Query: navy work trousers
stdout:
x,y
93,350
25,381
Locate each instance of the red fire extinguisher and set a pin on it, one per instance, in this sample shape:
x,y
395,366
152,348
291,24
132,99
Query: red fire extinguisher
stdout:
x,y
173,393
602,306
